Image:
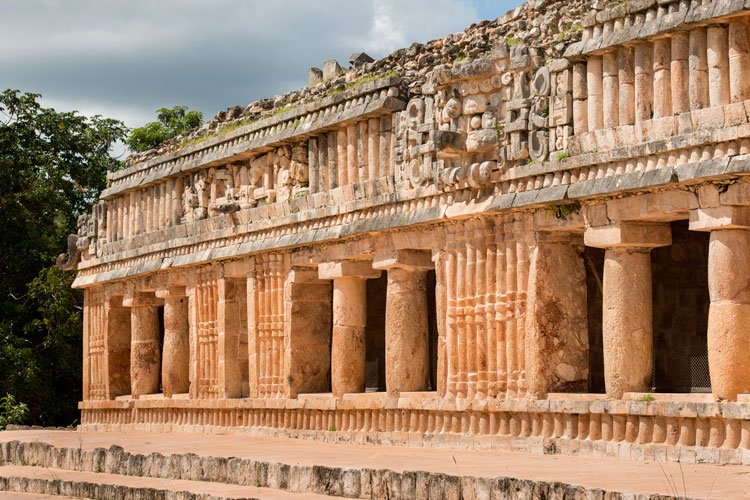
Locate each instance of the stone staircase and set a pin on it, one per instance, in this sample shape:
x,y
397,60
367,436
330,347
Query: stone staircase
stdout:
x,y
43,468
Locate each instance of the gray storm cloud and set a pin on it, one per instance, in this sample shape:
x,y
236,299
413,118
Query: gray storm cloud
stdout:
x,y
125,59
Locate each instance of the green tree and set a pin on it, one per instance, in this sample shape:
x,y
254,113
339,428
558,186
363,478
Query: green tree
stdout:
x,y
53,165
170,123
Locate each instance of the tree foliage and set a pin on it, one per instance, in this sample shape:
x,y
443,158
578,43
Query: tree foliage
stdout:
x,y
170,123
53,166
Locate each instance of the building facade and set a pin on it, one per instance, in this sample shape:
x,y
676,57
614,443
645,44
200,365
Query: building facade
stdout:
x,y
520,249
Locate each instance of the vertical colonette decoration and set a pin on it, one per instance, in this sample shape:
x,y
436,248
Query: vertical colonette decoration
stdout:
x,y
530,235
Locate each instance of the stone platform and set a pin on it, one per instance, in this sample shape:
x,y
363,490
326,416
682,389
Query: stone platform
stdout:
x,y
269,467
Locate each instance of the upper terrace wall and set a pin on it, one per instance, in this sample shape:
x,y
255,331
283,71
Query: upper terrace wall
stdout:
x,y
653,93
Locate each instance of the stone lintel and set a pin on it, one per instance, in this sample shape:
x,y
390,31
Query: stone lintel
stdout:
x,y
171,292
347,269
628,235
724,217
406,259
304,275
238,268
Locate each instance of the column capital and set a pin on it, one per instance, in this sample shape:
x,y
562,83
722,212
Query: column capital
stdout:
x,y
347,269
404,259
133,298
629,235
724,217
171,292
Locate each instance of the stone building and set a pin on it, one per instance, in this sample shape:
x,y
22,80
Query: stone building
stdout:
x,y
533,235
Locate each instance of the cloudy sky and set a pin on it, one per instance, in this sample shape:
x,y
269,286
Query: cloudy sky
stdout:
x,y
126,58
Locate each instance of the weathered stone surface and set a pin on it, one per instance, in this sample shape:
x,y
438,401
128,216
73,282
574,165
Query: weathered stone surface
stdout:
x,y
467,168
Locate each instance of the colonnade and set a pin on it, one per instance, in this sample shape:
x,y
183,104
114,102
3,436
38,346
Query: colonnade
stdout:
x,y
315,320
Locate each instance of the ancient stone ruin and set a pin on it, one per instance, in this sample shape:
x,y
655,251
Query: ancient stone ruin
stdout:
x,y
531,235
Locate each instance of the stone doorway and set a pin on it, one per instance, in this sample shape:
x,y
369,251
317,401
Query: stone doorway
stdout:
x,y
681,300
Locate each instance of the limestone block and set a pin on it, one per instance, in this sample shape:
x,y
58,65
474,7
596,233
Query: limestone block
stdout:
x,y
408,259
628,235
331,70
736,194
723,217
347,268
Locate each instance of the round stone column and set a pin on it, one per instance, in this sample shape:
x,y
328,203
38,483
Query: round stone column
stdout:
x,y
407,348
627,323
349,321
176,352
145,351
728,333
627,319
406,331
348,340
729,313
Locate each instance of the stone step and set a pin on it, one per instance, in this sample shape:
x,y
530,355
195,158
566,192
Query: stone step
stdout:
x,y
365,471
44,482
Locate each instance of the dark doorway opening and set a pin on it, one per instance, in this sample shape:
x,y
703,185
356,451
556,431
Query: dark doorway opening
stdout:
x,y
680,297
375,334
594,261
433,331
160,313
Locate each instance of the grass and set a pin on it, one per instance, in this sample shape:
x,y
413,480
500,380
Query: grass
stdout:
x,y
332,428
512,40
561,155
647,398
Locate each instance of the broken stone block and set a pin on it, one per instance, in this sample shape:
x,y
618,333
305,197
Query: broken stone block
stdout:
x,y
314,77
360,59
331,70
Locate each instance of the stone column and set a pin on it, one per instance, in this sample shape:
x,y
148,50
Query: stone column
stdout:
x,y
175,363
729,312
594,89
662,78
644,88
739,62
580,99
698,69
626,79
557,344
627,313
718,65
145,348
610,87
679,71
407,347
349,321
